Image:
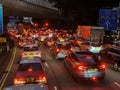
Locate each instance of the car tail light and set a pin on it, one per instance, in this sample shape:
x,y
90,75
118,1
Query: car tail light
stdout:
x,y
19,43
71,49
41,79
30,69
102,67
19,80
23,54
38,53
81,68
58,50
94,78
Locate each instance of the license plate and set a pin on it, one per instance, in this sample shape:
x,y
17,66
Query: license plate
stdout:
x,y
30,80
93,70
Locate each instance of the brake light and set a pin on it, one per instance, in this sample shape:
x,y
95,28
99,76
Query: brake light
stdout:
x,y
71,49
19,43
102,66
58,49
41,79
19,80
38,53
81,68
30,69
23,54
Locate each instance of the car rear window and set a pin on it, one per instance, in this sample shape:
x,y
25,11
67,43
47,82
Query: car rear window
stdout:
x,y
31,48
26,66
64,46
88,59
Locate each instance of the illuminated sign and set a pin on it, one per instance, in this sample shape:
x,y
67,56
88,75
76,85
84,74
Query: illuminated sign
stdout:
x,y
1,19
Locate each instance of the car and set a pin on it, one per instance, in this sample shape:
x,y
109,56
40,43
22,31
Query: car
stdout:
x,y
85,65
28,87
113,57
95,47
31,50
30,72
61,49
49,42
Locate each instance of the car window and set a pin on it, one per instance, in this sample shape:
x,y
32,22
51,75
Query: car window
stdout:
x,y
31,48
88,59
96,44
26,66
64,46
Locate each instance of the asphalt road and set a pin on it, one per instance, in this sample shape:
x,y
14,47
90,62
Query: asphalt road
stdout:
x,y
60,79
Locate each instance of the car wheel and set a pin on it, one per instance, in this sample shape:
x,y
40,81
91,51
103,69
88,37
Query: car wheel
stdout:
x,y
115,66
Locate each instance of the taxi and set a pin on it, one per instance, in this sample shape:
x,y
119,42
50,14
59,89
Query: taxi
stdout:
x,y
30,72
61,49
28,87
31,50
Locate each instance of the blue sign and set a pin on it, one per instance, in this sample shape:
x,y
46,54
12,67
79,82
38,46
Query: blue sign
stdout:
x,y
1,19
108,19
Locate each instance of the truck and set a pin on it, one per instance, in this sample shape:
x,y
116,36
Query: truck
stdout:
x,y
92,33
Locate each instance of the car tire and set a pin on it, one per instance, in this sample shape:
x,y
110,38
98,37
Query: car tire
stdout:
x,y
115,66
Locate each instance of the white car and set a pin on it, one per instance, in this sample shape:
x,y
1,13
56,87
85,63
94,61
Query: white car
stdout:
x,y
31,50
28,87
95,47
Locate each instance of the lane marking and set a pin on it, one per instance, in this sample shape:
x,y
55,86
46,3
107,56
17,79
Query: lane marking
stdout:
x,y
46,64
55,87
116,83
9,68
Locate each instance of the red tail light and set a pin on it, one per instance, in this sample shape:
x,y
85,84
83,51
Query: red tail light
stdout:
x,y
19,80
38,53
71,49
23,54
102,66
81,68
19,43
30,69
58,50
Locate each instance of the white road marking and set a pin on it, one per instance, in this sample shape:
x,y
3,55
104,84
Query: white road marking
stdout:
x,y
116,83
8,69
55,87
46,65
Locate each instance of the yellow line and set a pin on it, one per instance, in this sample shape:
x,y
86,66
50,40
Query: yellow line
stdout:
x,y
10,66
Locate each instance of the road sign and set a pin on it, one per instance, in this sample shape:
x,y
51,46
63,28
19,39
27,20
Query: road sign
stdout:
x,y
108,18
1,19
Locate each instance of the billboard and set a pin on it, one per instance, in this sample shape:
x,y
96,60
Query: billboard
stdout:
x,y
1,19
108,19
84,31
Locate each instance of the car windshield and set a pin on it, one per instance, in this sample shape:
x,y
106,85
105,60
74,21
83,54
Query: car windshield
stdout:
x,y
26,66
88,59
64,46
31,48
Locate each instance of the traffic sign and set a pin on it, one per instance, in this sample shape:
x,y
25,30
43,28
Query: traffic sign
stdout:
x,y
3,40
1,19
108,18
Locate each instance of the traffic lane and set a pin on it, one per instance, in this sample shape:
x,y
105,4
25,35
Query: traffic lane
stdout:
x,y
58,77
10,78
65,80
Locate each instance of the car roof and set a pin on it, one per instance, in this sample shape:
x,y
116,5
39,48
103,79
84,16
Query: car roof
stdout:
x,y
63,42
28,87
30,60
28,45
